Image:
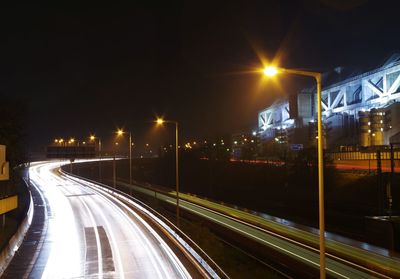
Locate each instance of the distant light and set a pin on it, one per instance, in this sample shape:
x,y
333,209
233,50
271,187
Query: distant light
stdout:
x,y
61,140
214,144
147,145
194,143
235,142
254,133
84,142
72,140
270,71
381,129
373,134
369,123
369,131
116,143
120,132
160,121
227,149
92,137
252,140
56,140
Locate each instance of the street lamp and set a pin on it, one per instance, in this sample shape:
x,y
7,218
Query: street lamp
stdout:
x,y
92,139
161,121
272,71
120,132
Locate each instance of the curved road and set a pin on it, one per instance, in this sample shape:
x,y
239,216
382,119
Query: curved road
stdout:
x,y
90,235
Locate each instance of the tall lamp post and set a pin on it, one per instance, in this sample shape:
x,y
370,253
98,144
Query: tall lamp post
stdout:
x,y
272,71
93,138
161,121
120,132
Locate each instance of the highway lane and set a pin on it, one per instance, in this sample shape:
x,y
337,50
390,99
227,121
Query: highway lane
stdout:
x,y
344,261
90,235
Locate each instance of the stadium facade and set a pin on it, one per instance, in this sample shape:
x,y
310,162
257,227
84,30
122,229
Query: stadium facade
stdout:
x,y
360,110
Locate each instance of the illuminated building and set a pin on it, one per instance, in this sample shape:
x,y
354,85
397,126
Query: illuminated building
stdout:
x,y
362,109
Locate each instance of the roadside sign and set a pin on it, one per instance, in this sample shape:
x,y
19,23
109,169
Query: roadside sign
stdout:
x,y
296,146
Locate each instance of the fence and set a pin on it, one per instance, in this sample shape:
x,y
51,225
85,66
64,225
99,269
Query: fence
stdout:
x,y
358,155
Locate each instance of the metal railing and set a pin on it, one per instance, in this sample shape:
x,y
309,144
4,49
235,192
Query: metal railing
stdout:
x,y
358,155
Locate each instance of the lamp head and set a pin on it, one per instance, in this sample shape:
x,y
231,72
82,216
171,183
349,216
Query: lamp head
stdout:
x,y
270,71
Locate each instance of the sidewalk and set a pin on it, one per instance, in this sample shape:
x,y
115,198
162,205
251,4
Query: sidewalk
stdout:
x,y
23,263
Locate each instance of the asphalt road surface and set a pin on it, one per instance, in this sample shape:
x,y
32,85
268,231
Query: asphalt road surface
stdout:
x,y
92,235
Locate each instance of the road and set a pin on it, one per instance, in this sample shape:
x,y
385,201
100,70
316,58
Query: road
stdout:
x,y
91,234
343,259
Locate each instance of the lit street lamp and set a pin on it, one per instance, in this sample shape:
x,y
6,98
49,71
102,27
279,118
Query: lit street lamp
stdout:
x,y
161,121
120,132
272,71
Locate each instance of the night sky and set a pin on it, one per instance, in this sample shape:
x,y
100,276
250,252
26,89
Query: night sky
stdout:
x,y
93,68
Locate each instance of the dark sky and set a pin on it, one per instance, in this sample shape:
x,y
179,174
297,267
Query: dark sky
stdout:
x,y
92,68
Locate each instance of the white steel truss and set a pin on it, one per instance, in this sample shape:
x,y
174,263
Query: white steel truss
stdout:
x,y
277,115
373,89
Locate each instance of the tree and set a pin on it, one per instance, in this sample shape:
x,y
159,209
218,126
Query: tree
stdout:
x,y
12,129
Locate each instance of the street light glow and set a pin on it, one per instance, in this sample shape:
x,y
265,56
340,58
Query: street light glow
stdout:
x,y
120,132
160,121
270,71
92,137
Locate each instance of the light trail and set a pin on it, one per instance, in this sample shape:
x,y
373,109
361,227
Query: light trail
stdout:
x,y
94,234
343,260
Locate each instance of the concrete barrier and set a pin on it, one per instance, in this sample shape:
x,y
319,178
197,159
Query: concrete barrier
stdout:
x,y
16,240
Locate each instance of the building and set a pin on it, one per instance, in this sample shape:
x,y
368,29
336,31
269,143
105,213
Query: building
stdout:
x,y
8,198
360,110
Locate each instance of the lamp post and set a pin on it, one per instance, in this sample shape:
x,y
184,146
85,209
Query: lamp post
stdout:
x,y
93,138
115,167
161,121
272,71
120,132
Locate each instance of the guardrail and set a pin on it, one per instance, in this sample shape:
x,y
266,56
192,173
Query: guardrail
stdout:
x,y
310,244
15,242
188,244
